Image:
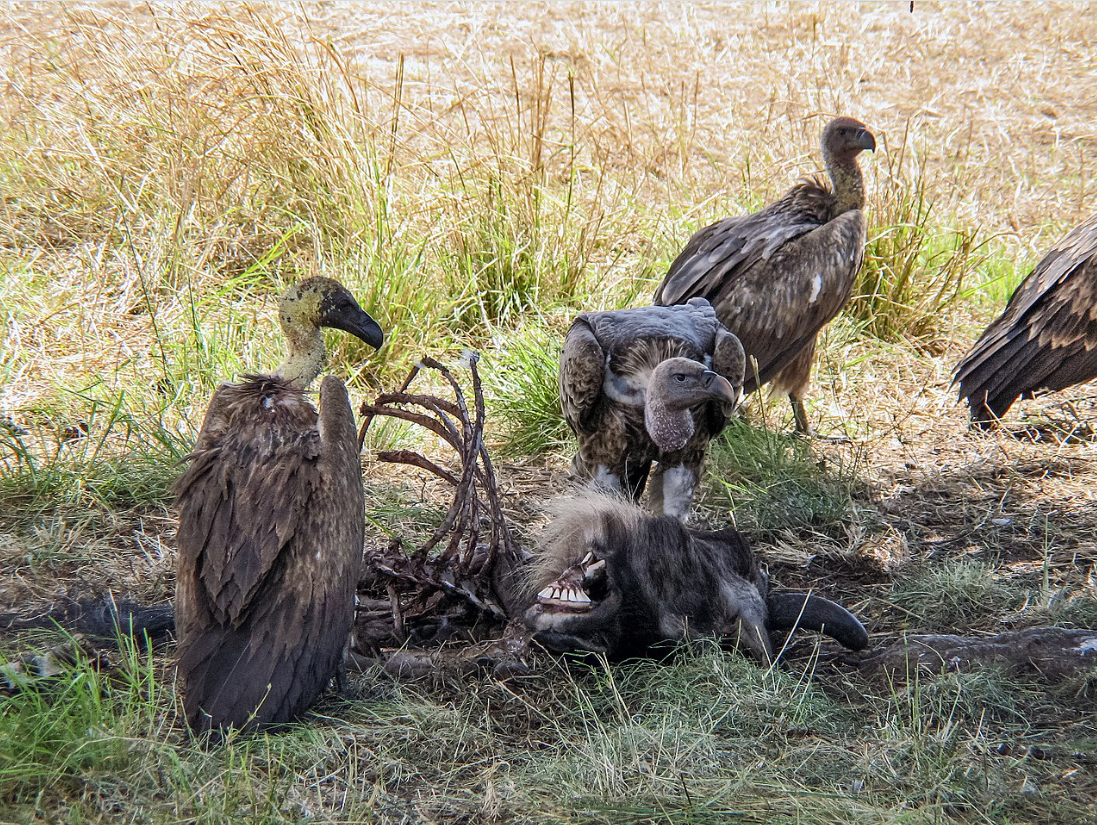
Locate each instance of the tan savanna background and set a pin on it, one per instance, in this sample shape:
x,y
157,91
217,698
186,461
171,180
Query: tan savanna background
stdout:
x,y
477,174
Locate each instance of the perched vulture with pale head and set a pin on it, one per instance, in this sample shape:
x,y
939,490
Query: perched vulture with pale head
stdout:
x,y
649,384
1046,339
779,276
271,526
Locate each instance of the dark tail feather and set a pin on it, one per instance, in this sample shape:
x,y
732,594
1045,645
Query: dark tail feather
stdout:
x,y
102,617
791,610
992,380
993,374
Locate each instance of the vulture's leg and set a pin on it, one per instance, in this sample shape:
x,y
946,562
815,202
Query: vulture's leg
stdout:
x,y
800,415
795,378
603,478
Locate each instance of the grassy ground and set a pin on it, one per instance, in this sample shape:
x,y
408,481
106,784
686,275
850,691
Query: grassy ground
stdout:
x,y
477,174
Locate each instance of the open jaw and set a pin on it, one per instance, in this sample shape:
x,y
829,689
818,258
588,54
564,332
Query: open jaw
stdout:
x,y
570,592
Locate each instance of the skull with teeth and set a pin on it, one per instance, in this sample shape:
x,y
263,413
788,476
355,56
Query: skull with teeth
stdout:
x,y
571,591
612,579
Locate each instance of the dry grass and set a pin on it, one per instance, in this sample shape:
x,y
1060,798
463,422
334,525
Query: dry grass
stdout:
x,y
478,173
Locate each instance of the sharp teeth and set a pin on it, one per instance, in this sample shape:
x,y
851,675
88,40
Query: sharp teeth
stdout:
x,y
556,592
581,597
599,565
588,558
546,593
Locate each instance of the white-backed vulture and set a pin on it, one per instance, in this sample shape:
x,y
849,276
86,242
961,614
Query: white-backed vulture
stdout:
x,y
778,276
612,579
271,527
1045,339
649,384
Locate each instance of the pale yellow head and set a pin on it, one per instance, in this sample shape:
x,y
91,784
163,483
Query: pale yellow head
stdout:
x,y
306,307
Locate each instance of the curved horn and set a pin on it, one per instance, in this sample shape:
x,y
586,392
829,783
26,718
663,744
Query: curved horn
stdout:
x,y
790,610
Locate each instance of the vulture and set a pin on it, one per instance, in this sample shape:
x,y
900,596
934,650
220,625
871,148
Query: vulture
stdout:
x,y
271,528
649,384
612,579
778,276
1046,339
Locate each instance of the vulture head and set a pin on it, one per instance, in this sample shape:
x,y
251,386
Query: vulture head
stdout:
x,y
308,306
676,386
844,138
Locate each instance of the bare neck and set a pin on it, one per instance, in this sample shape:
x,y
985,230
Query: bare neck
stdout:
x,y
669,429
305,357
845,177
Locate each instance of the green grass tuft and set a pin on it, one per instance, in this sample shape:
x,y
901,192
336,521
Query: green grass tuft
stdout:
x,y
954,595
524,389
771,480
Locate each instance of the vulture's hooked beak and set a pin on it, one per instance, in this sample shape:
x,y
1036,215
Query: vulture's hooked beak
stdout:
x,y
865,140
358,323
720,388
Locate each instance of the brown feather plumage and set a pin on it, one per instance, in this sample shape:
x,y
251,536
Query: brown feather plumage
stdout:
x,y
1045,339
778,276
271,524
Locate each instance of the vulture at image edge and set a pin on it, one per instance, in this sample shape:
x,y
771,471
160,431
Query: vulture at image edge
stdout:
x,y
271,528
644,385
1046,339
778,276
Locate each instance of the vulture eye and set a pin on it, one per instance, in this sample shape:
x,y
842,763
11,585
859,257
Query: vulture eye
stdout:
x,y
679,377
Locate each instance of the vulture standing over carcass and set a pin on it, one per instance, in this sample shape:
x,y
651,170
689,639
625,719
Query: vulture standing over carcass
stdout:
x,y
779,276
612,579
1046,339
271,527
649,384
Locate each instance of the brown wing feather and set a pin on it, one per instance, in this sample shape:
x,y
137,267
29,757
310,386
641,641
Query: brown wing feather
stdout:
x,y
263,659
759,271
582,372
251,475
720,254
779,305
1046,338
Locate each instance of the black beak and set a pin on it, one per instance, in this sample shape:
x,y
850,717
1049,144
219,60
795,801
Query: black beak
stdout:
x,y
358,323
720,387
865,140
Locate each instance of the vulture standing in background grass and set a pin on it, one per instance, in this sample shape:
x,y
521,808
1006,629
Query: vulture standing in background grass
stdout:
x,y
779,276
1046,339
647,384
271,525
